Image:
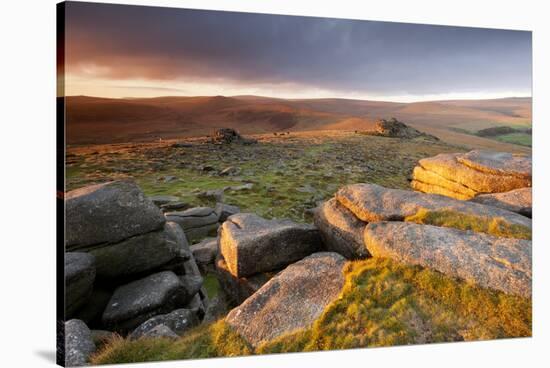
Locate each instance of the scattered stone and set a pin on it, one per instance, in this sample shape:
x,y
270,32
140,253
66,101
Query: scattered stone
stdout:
x,y
160,200
206,168
108,213
206,251
197,222
79,344
238,289
251,244
306,189
247,186
179,322
499,263
293,299
215,195
226,210
517,200
136,302
160,331
229,171
340,230
167,179
175,206
79,280
371,203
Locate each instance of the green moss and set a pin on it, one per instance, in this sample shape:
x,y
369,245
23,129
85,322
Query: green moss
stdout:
x,y
493,226
212,285
382,303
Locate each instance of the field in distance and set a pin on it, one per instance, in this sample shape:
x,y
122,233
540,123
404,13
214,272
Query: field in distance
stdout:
x,y
92,120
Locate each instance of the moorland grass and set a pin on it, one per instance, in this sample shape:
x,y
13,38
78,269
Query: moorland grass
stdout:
x,y
383,303
277,170
213,340
493,226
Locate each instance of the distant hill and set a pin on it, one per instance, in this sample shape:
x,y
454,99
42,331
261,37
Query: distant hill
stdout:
x,y
106,120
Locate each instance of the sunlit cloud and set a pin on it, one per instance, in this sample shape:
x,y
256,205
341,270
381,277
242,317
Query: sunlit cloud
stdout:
x,y
129,51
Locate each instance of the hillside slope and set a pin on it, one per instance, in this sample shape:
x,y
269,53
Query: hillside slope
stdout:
x,y
104,120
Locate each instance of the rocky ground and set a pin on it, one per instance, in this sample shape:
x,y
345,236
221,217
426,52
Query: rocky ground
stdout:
x,y
281,176
227,246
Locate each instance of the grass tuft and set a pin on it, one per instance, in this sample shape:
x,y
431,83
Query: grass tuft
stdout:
x,y
213,340
383,303
492,226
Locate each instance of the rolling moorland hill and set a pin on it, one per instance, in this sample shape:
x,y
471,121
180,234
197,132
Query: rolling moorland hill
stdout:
x,y
104,120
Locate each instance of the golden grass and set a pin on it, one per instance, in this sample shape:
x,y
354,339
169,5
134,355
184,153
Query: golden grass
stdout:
x,y
213,340
493,226
382,303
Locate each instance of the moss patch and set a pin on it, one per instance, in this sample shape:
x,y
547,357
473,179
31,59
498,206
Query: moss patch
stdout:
x,y
382,303
493,226
211,285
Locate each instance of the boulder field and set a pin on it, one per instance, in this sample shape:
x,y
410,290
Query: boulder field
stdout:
x,y
143,280
125,264
478,243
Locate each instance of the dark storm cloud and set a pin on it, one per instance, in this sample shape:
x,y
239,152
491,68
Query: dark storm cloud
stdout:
x,y
341,55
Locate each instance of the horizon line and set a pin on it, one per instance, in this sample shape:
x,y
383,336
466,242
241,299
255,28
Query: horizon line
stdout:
x,y
298,99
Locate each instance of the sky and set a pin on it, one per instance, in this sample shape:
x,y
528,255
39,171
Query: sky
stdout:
x,y
136,51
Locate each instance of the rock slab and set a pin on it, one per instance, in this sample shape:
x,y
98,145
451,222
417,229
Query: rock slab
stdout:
x,y
138,254
498,263
108,213
251,244
372,203
517,200
498,163
79,279
340,230
79,344
178,321
465,175
206,251
136,302
197,222
238,289
292,300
